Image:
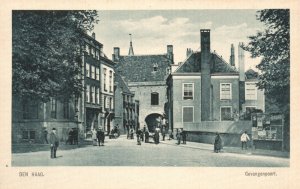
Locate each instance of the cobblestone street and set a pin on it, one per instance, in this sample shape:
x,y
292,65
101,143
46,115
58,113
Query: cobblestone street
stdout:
x,y
123,152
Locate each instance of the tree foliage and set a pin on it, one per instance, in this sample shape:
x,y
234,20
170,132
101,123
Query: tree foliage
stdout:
x,y
45,52
273,45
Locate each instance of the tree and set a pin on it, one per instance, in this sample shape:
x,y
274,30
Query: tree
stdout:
x,y
273,45
45,54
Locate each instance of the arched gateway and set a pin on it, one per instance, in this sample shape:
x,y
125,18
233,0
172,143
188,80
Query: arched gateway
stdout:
x,y
153,120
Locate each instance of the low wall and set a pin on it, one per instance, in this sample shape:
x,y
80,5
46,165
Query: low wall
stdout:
x,y
230,131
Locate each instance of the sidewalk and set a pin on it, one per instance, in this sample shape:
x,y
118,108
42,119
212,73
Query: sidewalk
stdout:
x,y
228,149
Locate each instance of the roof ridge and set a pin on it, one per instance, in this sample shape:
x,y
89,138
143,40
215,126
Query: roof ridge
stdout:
x,y
194,52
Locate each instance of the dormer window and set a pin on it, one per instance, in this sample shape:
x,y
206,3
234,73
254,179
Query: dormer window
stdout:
x,y
155,67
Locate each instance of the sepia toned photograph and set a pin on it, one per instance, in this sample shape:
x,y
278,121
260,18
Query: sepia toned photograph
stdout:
x,y
151,88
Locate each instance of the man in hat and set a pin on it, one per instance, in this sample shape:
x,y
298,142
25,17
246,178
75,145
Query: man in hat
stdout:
x,y
54,142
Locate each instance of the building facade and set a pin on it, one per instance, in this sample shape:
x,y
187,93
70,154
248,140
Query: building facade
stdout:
x,y
146,76
207,95
92,109
126,107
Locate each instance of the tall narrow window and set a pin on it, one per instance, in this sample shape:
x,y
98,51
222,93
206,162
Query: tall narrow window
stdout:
x,y
188,114
92,72
226,113
110,103
105,102
87,70
53,108
97,74
97,54
188,91
104,79
87,93
66,109
96,95
87,49
110,81
93,51
225,91
250,91
154,98
93,94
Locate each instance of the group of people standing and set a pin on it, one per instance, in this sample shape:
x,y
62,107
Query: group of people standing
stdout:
x,y
72,137
218,144
181,136
98,136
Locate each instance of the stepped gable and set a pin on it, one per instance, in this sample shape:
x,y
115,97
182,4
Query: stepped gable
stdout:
x,y
193,64
121,83
140,68
251,74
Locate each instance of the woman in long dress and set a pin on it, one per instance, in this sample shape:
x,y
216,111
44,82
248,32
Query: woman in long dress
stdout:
x,y
218,143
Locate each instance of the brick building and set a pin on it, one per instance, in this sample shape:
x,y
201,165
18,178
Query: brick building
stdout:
x,y
90,110
146,78
207,95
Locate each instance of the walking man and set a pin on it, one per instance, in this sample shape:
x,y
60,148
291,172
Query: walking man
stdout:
x,y
54,142
244,139
184,135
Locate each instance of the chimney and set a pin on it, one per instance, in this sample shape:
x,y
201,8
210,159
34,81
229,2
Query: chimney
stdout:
x,y
232,61
205,75
170,54
116,55
93,35
241,59
189,51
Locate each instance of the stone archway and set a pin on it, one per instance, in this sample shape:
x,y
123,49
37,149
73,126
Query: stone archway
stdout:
x,y
153,120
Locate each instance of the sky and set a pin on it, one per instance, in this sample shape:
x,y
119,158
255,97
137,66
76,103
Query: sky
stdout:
x,y
153,30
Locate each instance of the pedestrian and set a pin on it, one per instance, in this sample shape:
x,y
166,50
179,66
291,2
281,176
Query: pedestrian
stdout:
x,y
244,139
170,135
131,133
54,143
142,135
138,136
128,131
98,135
156,136
218,143
146,136
45,136
163,132
184,135
75,136
178,136
102,136
94,137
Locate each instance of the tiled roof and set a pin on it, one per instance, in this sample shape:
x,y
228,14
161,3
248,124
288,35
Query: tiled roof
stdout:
x,y
140,68
251,74
121,83
193,64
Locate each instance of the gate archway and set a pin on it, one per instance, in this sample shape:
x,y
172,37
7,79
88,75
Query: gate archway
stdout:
x,y
152,121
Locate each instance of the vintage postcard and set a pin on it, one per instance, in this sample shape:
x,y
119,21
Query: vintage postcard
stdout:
x,y
149,94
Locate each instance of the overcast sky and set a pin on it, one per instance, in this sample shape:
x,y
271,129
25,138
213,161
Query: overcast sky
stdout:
x,y
153,30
